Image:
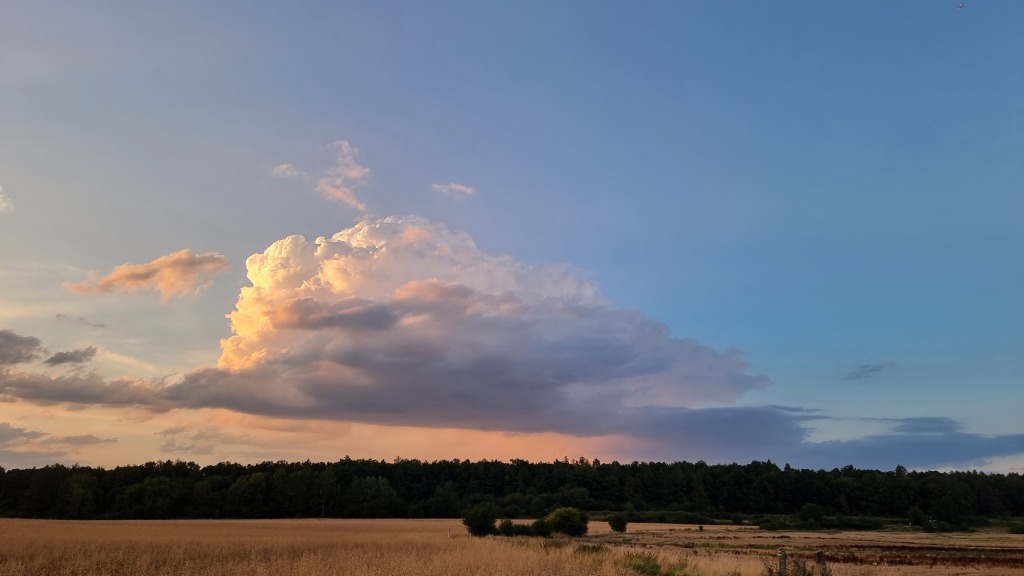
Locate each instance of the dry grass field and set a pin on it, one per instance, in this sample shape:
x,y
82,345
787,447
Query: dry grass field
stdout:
x,y
441,547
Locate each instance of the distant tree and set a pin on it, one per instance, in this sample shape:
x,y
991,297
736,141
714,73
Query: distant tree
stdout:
x,y
372,497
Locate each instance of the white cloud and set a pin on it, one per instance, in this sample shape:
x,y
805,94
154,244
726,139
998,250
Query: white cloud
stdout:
x,y
5,204
454,190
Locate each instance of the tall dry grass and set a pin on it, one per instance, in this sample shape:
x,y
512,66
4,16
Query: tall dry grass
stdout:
x,y
316,548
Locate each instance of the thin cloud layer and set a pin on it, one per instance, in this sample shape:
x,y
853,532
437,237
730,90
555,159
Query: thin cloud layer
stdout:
x,y
5,204
864,371
181,272
454,190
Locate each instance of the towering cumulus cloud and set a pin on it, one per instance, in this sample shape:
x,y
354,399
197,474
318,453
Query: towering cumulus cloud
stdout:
x,y
403,321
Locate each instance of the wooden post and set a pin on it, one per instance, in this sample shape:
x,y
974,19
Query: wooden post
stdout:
x,y
782,562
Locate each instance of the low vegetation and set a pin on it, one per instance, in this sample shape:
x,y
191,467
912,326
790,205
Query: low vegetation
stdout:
x,y
442,547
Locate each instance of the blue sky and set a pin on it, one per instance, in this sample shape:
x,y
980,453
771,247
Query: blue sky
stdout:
x,y
816,207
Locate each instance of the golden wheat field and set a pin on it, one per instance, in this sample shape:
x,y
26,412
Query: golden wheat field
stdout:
x,y
441,547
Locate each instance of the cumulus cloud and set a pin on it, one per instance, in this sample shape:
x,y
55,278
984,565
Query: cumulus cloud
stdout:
x,y
5,204
181,272
337,183
454,190
402,321
15,349
80,356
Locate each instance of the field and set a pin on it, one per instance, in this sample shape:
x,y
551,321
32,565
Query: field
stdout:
x,y
441,547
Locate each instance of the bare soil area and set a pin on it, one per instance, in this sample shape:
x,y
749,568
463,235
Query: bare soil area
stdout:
x,y
912,553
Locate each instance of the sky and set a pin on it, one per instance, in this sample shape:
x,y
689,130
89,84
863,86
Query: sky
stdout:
x,y
719,231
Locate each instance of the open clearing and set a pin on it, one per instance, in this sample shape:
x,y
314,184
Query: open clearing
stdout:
x,y
436,547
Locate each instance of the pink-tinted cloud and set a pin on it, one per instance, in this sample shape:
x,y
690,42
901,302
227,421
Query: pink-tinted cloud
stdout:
x,y
181,272
337,183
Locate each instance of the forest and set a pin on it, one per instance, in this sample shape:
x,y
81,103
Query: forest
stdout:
x,y
758,492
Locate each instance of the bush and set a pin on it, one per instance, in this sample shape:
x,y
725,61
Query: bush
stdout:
x,y
1017,528
540,528
568,521
480,519
617,522
509,528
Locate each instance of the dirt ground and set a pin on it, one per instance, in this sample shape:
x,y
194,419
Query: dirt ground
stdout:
x,y
911,553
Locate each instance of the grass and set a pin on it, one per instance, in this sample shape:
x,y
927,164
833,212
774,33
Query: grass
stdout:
x,y
441,547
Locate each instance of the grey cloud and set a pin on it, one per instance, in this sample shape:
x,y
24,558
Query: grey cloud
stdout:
x,y
864,371
80,319
15,349
11,435
79,440
78,390
308,314
79,356
928,425
912,450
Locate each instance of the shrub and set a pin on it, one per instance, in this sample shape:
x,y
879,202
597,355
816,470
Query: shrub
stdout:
x,y
1017,528
568,521
480,519
540,528
506,528
617,522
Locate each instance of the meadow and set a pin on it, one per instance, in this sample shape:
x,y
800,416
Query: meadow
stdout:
x,y
441,547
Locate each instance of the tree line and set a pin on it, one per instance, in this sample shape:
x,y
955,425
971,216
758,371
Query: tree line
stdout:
x,y
682,492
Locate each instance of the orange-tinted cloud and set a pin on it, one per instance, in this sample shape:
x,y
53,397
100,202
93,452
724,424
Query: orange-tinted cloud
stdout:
x,y
181,272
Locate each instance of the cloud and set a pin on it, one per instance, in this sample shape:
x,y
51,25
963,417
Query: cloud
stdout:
x,y
181,272
338,182
5,204
79,440
454,190
80,320
402,324
287,171
20,447
9,435
15,349
79,356
864,371
916,443
401,321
